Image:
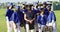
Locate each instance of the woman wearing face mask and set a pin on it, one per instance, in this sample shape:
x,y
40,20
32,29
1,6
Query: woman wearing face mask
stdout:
x,y
9,13
51,20
17,18
41,20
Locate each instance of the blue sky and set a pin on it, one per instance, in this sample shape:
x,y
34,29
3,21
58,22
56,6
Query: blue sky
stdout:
x,y
21,0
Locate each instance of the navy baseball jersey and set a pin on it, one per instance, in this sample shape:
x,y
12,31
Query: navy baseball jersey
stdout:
x,y
51,17
9,13
17,17
30,15
46,12
41,19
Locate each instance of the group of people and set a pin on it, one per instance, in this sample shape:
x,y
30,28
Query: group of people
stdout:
x,y
31,17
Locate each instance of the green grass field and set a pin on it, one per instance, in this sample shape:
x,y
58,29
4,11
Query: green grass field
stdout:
x,y
3,27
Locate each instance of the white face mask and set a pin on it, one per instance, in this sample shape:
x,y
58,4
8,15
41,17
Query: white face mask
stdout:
x,y
35,8
10,7
32,8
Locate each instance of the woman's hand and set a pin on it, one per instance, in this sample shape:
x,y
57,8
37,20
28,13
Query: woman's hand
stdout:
x,y
30,21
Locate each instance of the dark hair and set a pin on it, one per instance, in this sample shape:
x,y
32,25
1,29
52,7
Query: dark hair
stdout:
x,y
42,10
7,7
24,7
50,9
11,7
37,6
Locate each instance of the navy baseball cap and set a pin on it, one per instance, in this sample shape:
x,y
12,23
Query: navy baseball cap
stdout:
x,y
17,7
10,4
44,3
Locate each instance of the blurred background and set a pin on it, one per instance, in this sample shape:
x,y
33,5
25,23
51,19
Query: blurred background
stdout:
x,y
4,3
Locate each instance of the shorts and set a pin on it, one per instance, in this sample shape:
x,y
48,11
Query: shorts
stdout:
x,y
31,26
